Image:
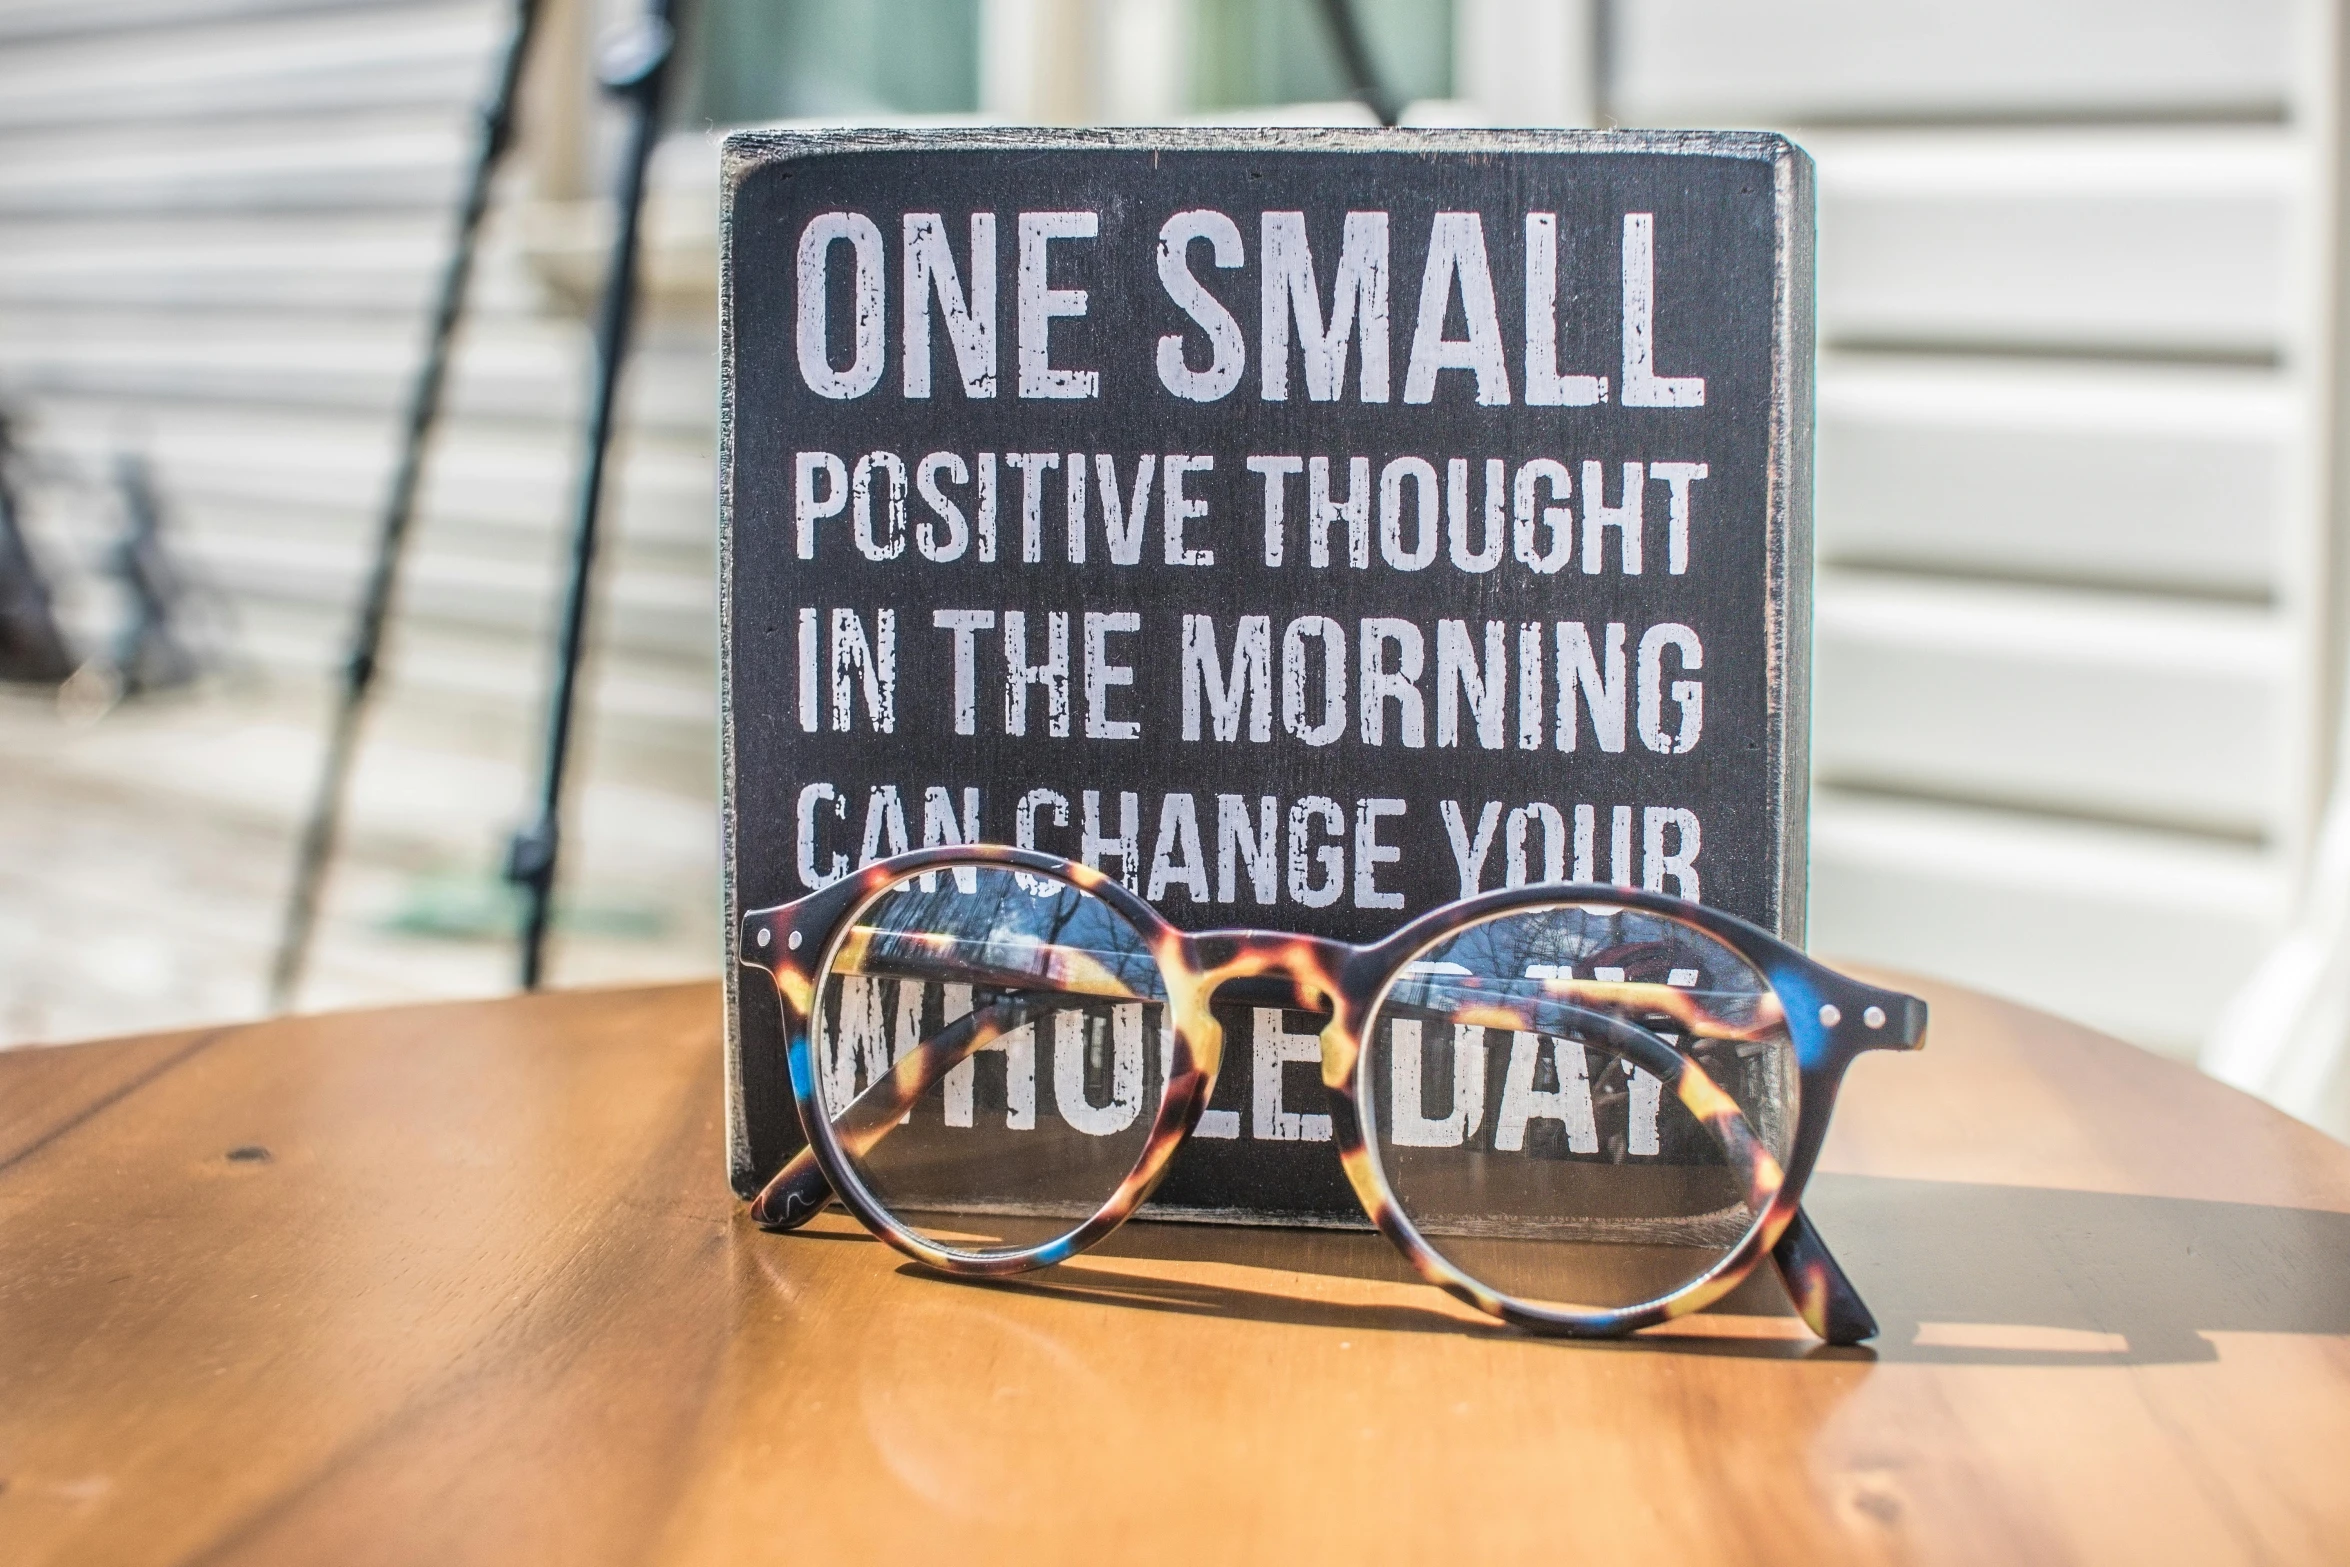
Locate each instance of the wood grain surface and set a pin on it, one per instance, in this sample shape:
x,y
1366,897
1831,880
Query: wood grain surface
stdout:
x,y
464,1284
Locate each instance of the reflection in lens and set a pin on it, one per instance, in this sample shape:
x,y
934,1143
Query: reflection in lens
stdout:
x,y
1543,1160
991,1047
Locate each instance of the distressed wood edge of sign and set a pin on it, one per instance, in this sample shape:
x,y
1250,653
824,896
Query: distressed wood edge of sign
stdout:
x,y
1788,511
742,1176
1788,524
745,151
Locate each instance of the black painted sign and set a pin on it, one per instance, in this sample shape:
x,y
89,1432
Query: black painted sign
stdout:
x,y
1308,528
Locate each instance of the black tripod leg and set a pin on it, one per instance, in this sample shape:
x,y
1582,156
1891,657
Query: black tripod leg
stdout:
x,y
634,70
323,826
1354,59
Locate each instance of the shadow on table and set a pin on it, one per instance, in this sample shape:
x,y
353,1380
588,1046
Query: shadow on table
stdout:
x,y
2029,1275
1957,1273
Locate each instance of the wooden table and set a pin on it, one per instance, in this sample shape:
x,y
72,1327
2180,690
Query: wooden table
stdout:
x,y
463,1283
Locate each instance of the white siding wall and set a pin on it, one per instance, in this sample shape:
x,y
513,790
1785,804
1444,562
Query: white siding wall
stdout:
x,y
2070,610
219,224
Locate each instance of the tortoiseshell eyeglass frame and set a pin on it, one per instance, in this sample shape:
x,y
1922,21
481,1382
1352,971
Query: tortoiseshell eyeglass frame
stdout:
x,y
1829,1018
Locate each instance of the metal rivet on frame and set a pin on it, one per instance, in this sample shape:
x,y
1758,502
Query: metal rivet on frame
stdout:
x,y
1829,1016
765,935
1874,1017
793,941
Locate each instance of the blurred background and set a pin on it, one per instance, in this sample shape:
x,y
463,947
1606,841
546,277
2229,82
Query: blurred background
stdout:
x,y
2081,489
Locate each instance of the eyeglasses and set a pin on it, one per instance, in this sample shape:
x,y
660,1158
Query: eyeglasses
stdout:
x,y
1583,1110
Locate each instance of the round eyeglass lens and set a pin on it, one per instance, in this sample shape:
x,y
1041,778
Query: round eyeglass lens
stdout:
x,y
991,1048
1513,1095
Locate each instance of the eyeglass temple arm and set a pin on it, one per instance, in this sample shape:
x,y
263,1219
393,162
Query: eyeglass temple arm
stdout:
x,y
1824,1297
799,1190
797,1194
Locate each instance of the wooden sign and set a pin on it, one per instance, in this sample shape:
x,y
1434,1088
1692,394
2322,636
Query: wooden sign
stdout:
x,y
1307,527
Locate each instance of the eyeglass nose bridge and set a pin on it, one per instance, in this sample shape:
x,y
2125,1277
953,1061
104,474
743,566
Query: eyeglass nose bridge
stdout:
x,y
1252,968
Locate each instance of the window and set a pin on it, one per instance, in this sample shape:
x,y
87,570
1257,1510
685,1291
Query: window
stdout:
x,y
748,61
1253,53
